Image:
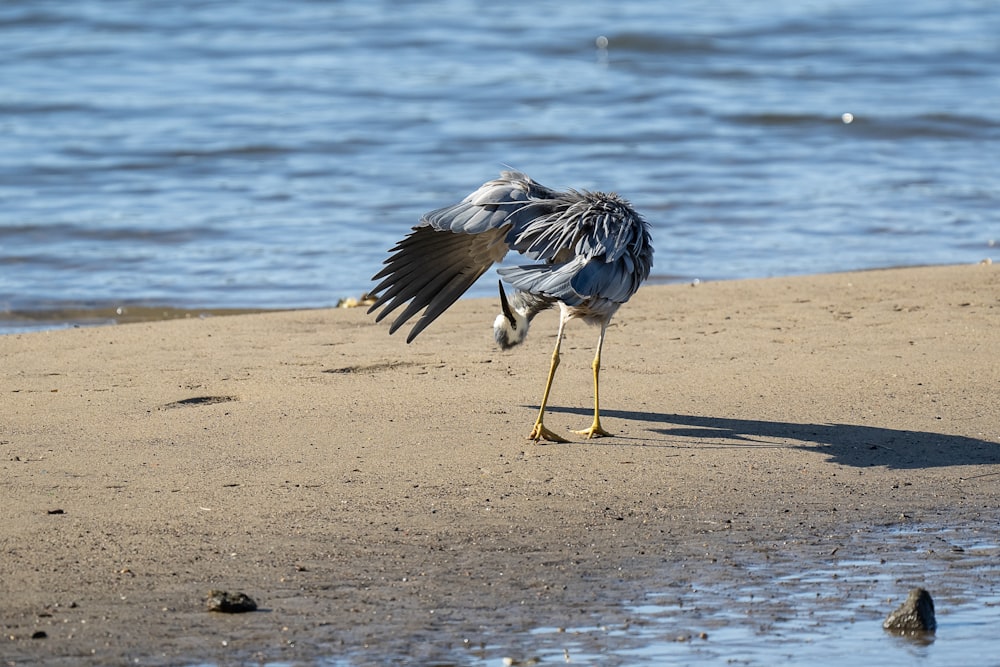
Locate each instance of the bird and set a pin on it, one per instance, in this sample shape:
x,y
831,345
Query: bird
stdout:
x,y
585,252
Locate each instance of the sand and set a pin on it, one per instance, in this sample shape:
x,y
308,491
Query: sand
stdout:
x,y
380,500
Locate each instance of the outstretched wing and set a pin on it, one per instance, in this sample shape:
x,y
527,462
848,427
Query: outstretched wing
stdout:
x,y
432,269
449,250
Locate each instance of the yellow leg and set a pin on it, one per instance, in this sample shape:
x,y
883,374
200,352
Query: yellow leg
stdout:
x,y
595,430
540,431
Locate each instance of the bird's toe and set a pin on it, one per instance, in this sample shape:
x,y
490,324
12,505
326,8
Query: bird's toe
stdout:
x,y
542,432
595,431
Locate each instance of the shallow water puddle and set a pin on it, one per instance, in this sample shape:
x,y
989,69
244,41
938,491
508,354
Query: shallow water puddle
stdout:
x,y
789,610
965,636
828,615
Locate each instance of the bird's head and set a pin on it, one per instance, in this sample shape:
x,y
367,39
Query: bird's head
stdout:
x,y
511,326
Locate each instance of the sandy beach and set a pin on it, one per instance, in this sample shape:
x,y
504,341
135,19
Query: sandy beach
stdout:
x,y
379,499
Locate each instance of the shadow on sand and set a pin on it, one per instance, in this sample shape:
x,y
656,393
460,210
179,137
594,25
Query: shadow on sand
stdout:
x,y
846,444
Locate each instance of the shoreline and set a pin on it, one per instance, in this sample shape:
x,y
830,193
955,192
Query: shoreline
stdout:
x,y
110,313
371,493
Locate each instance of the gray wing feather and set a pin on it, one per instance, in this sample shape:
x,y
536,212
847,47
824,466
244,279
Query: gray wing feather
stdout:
x,y
614,281
433,268
489,207
465,218
576,281
549,280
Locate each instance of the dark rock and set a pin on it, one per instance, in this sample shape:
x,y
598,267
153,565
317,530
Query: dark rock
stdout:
x,y
914,616
230,603
39,634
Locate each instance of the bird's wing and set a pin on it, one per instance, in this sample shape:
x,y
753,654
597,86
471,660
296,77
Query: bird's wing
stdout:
x,y
432,269
489,207
449,250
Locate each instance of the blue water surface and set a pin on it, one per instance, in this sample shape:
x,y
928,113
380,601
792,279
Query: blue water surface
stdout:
x,y
201,154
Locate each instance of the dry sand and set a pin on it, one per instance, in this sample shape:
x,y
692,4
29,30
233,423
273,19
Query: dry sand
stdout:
x,y
379,499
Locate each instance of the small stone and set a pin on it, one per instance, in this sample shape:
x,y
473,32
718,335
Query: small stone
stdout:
x,y
914,616
39,634
230,603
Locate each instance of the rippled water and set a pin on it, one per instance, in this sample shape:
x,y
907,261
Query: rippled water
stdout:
x,y
199,154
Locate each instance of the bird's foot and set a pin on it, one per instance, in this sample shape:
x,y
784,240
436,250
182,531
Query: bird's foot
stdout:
x,y
595,431
540,432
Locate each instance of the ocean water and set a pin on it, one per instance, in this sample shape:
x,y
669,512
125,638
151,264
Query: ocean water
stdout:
x,y
194,154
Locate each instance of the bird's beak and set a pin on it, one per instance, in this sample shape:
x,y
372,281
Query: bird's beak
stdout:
x,y
505,305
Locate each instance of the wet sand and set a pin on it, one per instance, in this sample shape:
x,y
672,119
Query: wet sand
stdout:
x,y
379,499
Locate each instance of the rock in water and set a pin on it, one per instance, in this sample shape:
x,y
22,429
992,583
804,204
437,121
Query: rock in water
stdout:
x,y
914,616
230,603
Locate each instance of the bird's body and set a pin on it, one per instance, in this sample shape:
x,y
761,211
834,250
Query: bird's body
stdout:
x,y
588,252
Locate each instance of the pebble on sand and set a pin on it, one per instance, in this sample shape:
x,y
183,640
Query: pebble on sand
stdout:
x,y
230,603
914,616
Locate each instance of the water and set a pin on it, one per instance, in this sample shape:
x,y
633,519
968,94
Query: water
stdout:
x,y
793,609
200,154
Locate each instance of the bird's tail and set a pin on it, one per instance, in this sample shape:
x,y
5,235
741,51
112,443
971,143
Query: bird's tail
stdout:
x,y
511,326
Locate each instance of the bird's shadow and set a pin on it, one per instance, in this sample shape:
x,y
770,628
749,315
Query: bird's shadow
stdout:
x,y
846,444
